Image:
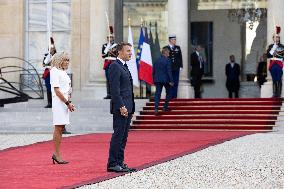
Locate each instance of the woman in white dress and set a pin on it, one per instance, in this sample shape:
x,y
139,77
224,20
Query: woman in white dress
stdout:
x,y
61,104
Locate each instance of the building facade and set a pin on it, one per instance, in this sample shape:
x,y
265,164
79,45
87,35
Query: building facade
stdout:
x,y
79,27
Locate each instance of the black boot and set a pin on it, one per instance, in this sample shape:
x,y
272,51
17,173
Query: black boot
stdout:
x,y
279,88
108,90
49,100
274,87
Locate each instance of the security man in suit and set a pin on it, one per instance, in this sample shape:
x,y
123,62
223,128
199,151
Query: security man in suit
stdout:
x,y
197,71
176,59
233,77
162,75
109,55
122,107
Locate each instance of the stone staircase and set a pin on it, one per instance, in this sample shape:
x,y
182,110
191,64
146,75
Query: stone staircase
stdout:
x,y
259,114
92,115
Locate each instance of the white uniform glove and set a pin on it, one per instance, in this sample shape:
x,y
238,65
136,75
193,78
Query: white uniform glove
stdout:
x,y
47,59
107,48
273,49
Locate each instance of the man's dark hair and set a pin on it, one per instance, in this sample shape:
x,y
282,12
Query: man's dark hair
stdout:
x,y
121,45
232,56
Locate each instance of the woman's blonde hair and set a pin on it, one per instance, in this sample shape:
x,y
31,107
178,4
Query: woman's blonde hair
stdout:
x,y
58,59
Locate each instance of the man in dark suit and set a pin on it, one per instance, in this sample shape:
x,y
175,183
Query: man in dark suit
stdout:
x,y
233,74
122,107
176,60
162,75
197,71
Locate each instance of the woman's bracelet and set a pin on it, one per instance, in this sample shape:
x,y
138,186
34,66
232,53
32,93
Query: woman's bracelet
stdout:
x,y
67,102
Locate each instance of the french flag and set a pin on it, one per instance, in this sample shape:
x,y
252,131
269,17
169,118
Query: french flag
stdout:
x,y
146,66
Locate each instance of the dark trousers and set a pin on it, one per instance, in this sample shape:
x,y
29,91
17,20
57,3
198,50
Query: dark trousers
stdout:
x,y
236,94
174,89
148,91
118,141
49,97
276,74
159,88
196,82
107,81
277,88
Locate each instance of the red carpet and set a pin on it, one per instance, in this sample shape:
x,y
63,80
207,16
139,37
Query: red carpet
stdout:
x,y
211,114
31,167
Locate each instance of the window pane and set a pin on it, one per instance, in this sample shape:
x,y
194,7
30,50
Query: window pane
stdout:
x,y
38,46
62,41
202,34
61,16
37,16
150,12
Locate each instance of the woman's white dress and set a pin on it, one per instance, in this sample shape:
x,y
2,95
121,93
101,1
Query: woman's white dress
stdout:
x,y
59,78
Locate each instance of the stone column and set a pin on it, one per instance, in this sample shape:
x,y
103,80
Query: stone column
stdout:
x,y
275,15
178,24
118,20
98,33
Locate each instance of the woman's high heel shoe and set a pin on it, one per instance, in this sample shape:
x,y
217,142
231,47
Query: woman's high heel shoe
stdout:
x,y
54,159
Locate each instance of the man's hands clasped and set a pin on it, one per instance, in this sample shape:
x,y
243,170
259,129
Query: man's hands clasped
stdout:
x,y
123,111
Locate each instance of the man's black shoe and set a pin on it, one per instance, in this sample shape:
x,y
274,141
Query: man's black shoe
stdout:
x,y
125,166
117,169
156,112
107,97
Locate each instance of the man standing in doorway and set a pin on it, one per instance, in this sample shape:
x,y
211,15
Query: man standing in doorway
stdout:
x,y
233,77
176,60
197,71
122,107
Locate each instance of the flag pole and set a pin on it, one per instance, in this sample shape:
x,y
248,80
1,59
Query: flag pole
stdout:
x,y
140,81
129,21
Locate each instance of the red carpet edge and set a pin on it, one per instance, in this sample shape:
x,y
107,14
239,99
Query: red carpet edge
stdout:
x,y
163,160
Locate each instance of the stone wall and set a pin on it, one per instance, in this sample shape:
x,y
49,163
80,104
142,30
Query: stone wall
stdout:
x,y
11,33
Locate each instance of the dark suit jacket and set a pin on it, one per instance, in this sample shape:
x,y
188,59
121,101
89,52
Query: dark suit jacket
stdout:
x,y
196,71
233,81
175,57
121,88
162,70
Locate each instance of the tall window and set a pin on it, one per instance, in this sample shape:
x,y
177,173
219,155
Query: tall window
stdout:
x,y
154,15
44,17
202,34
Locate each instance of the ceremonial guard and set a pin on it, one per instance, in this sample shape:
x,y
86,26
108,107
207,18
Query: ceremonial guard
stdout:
x,y
46,74
275,52
176,60
109,55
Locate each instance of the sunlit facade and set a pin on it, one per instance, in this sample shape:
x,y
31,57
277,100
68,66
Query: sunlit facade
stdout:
x,y
79,27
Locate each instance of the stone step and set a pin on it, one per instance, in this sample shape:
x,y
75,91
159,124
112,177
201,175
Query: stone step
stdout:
x,y
92,115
